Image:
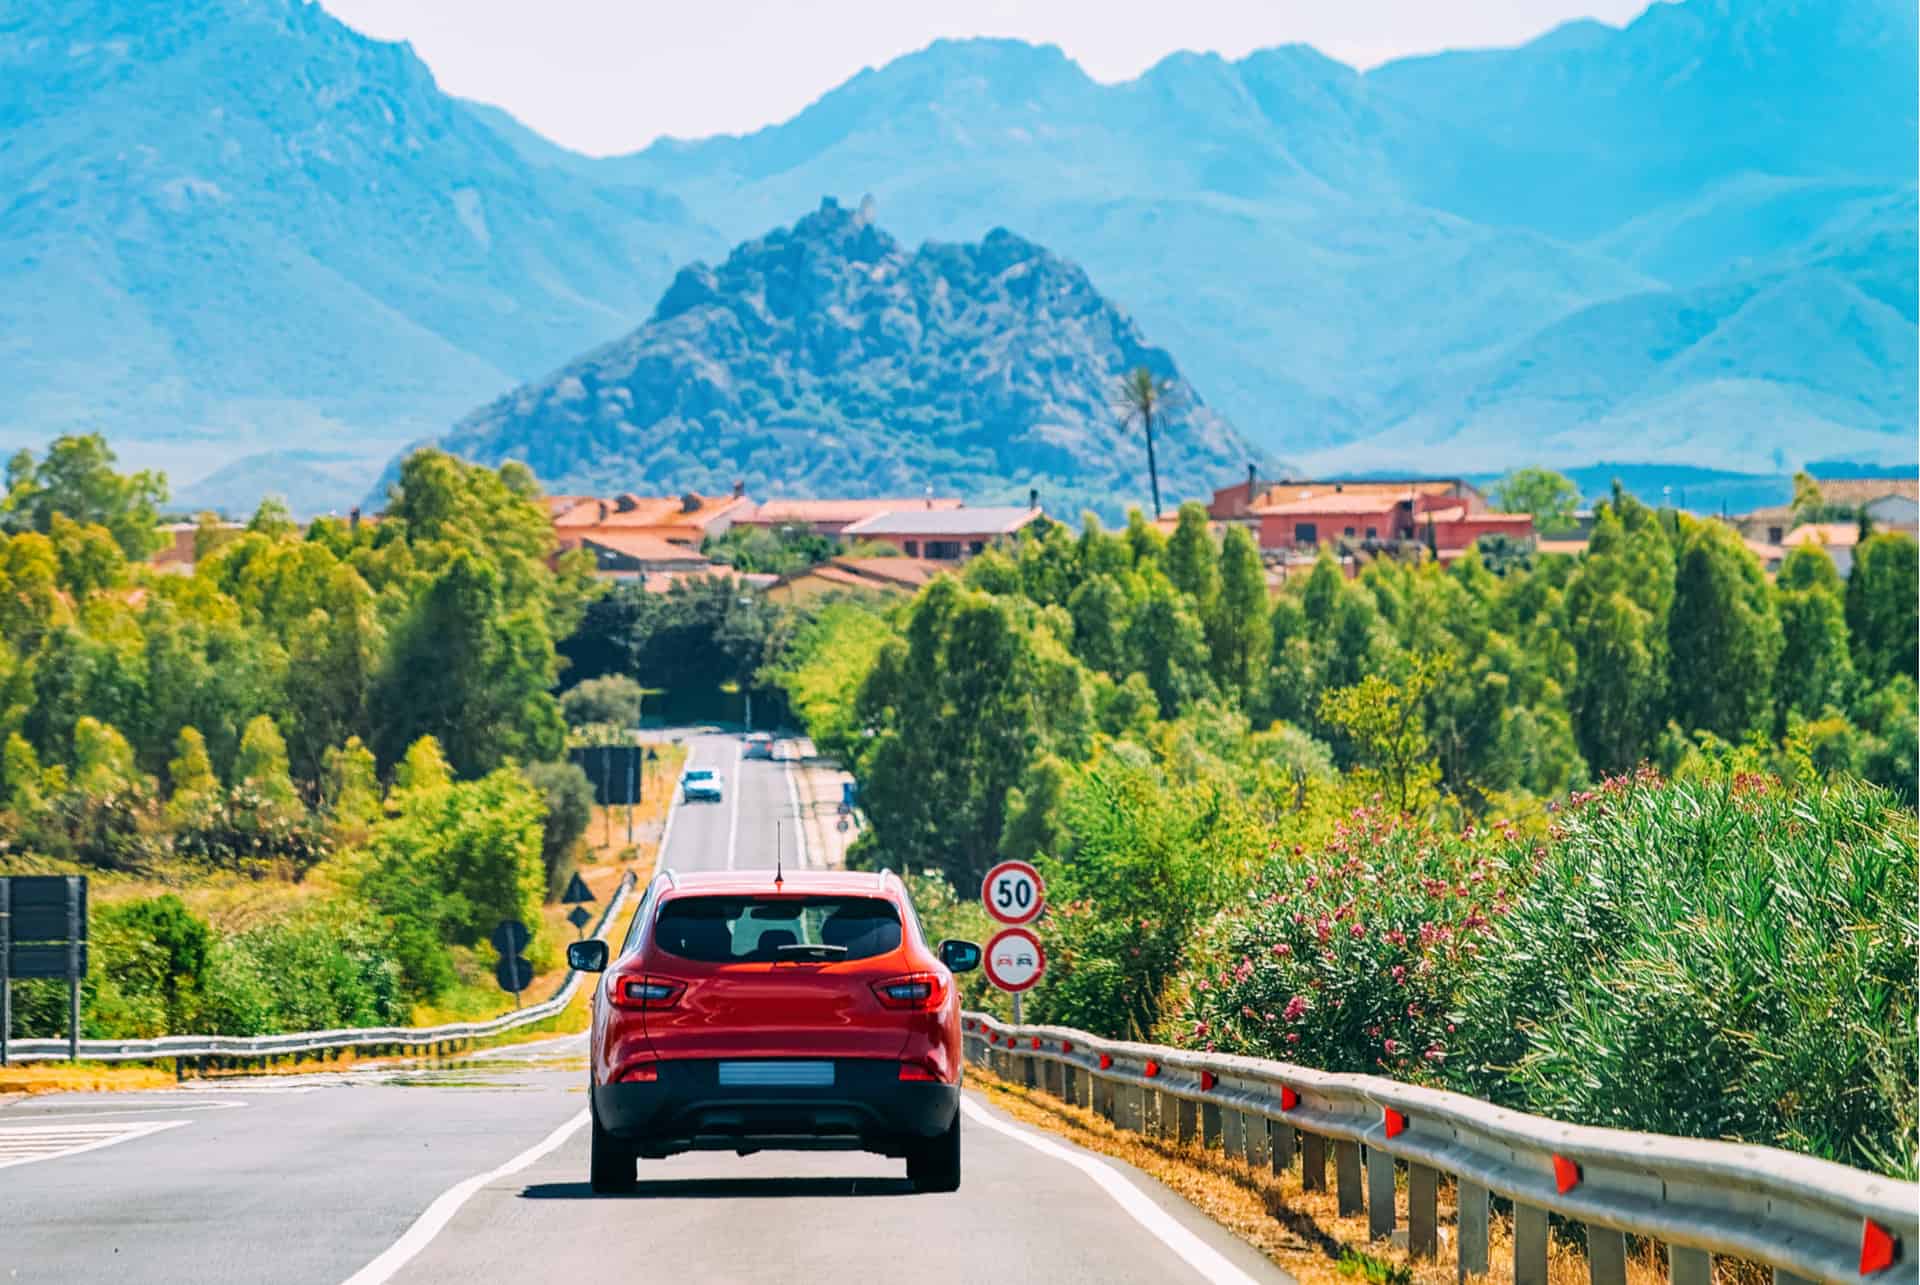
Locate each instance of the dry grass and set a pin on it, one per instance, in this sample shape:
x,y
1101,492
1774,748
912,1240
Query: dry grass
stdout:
x,y
1302,1231
80,1077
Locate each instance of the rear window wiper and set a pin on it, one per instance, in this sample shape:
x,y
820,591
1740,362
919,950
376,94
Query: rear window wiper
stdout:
x,y
817,950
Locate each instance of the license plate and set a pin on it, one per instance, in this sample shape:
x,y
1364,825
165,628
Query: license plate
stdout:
x,y
776,1074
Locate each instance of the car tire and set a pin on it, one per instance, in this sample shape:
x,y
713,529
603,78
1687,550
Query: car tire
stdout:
x,y
933,1164
613,1163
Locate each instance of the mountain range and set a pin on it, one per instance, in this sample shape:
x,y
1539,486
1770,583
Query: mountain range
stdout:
x,y
1686,241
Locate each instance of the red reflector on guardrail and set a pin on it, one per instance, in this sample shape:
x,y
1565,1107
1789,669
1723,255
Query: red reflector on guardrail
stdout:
x,y
1036,1041
1153,1069
1395,1122
1206,1080
1566,1175
1288,1098
1066,1046
1878,1248
1105,1061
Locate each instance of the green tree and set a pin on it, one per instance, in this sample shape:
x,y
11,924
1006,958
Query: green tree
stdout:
x,y
1617,605
1190,561
1384,719
89,558
103,763
567,796
1882,617
1550,497
1240,630
1141,397
1167,644
76,479
472,673
1723,636
350,789
261,765
1815,669
194,790
425,767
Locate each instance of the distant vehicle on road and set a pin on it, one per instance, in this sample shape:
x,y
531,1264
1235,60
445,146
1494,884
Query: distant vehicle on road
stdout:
x,y
750,1012
701,784
759,746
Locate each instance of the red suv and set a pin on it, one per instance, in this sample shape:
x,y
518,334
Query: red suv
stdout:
x,y
750,1011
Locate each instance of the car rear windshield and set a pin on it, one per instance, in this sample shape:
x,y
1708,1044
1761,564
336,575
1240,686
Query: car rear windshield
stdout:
x,y
700,774
720,930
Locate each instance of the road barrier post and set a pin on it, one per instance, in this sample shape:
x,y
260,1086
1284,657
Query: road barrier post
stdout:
x,y
1282,1140
1687,1266
1530,1248
1209,1125
1380,1194
1233,1134
1258,1144
1606,1256
1189,1121
1346,1177
1313,1162
1472,1229
1423,1215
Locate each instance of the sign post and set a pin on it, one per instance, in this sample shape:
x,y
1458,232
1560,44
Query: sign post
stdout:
x,y
576,895
513,972
43,934
1015,895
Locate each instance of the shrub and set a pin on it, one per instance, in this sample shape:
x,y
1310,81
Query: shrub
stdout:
x,y
568,796
1348,956
1716,958
612,699
319,968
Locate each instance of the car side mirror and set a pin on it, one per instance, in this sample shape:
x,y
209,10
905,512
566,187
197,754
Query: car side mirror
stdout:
x,y
959,956
589,956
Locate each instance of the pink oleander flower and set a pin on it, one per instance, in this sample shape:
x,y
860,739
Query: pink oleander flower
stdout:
x,y
1296,1007
1356,930
1282,949
1400,973
1392,1046
1293,1037
1243,970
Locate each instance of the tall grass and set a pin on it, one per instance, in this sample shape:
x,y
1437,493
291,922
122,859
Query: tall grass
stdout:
x,y
1728,958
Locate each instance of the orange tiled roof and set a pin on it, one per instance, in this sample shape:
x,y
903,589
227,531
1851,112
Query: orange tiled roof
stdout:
x,y
630,510
1831,535
643,547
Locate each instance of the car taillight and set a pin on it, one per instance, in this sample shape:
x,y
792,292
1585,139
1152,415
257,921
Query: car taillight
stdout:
x,y
914,992
640,1073
647,992
918,1071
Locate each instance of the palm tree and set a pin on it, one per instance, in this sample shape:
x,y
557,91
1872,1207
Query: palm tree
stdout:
x,y
1141,397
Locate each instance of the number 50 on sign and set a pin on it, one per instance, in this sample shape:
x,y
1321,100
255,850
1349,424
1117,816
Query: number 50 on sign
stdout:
x,y
1013,893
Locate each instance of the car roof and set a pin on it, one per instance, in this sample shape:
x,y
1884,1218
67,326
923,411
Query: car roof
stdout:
x,y
793,883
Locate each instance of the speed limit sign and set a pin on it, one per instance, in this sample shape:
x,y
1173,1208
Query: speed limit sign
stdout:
x,y
1015,960
1013,893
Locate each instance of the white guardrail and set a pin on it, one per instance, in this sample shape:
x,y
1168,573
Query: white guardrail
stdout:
x,y
1807,1219
250,1047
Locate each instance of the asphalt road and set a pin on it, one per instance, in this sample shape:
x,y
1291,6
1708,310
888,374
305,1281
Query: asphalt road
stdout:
x,y
477,1172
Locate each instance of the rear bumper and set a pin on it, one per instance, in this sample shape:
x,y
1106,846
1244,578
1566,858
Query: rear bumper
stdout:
x,y
866,1108
701,796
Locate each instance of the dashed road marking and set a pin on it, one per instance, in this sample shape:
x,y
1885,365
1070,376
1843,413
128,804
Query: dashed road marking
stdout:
x,y
26,1144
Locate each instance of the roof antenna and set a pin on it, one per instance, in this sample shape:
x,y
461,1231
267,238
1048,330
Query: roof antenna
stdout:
x,y
777,854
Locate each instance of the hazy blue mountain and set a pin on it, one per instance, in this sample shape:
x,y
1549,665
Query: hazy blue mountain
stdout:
x,y
1343,258
827,359
239,225
239,219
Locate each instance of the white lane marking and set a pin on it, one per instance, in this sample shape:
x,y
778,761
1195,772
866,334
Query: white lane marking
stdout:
x,y
26,1145
442,1210
38,1118
733,827
255,1088
1211,1265
799,824
528,1049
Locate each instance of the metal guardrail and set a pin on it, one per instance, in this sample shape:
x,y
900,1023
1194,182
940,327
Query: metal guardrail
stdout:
x,y
247,1047
1807,1219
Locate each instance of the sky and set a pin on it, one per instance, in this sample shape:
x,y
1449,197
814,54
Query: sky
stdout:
x,y
610,76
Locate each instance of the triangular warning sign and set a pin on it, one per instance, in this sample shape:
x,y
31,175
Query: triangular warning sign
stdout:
x,y
576,890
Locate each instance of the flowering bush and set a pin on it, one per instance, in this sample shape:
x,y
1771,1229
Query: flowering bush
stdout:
x,y
1348,957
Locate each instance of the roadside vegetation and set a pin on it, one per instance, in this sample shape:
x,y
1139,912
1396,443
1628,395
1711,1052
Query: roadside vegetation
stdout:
x,y
1625,839
309,777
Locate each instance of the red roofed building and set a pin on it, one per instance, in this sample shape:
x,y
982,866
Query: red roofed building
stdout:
x,y
947,535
